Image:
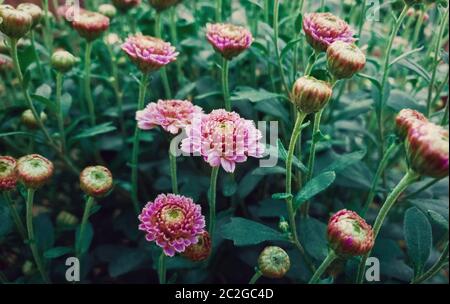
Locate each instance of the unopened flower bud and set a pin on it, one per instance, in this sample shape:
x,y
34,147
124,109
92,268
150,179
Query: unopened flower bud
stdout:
x,y
66,220
63,61
200,251
161,5
8,176
125,5
34,170
349,234
274,262
344,59
311,95
28,268
427,147
283,225
406,120
90,25
108,10
35,12
228,39
14,23
96,181
30,121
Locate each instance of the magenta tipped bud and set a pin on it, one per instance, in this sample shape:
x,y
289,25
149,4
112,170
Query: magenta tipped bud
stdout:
x,y
344,59
274,262
200,251
8,175
34,170
35,12
90,25
408,119
227,39
14,23
310,95
125,5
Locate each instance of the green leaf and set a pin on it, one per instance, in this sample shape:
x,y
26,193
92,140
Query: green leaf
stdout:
x,y
57,252
281,196
94,131
244,232
416,68
345,161
404,55
128,260
289,46
44,232
269,170
253,95
314,187
229,185
282,153
399,100
87,238
438,219
6,222
312,235
418,237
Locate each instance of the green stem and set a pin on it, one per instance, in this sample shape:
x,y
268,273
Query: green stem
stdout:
x,y
48,31
219,6
116,87
384,79
225,85
255,277
276,9
87,212
87,82
435,269
174,34
331,257
436,60
362,19
418,27
311,62
297,36
409,178
163,70
212,201
162,268
15,215
31,237
35,52
60,115
135,152
173,172
381,167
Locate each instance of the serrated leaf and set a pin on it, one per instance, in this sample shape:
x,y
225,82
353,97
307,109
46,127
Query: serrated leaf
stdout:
x,y
245,232
418,236
314,187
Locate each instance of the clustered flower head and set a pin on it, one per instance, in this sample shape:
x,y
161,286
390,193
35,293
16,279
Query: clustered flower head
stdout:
x,y
322,29
149,53
161,5
171,115
349,234
8,176
223,139
63,61
228,39
310,95
14,23
200,251
174,222
125,5
34,170
408,119
34,11
274,262
427,147
344,59
90,25
96,181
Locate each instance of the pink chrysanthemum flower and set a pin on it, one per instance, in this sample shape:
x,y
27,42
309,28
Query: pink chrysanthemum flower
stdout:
x,y
174,222
223,139
149,53
427,148
171,115
228,39
408,119
322,29
90,25
349,234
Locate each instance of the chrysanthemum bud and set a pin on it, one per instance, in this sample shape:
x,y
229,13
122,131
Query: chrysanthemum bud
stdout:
x,y
274,262
90,25
406,120
125,5
34,170
344,59
30,121
66,220
161,5
149,53
311,95
14,23
228,39
322,29
108,10
349,234
200,251
283,225
35,12
63,61
8,176
427,148
96,181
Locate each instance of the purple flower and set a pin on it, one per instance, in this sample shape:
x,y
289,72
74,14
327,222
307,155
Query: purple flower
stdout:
x,y
228,39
